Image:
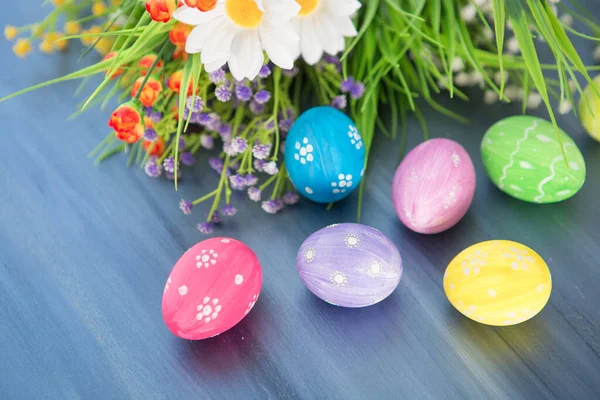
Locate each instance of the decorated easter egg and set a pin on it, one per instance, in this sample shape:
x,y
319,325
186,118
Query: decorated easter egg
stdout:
x,y
498,283
589,109
349,265
324,155
212,287
524,158
434,186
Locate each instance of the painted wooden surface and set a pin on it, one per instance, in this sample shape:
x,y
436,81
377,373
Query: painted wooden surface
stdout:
x,y
85,251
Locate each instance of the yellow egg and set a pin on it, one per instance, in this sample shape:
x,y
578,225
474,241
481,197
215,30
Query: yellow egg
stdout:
x,y
498,283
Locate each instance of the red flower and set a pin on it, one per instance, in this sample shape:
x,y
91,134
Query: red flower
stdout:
x,y
147,61
156,148
175,82
150,91
161,10
179,34
202,5
119,71
127,123
180,53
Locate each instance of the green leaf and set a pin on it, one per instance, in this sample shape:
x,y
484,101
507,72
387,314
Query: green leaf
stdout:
x,y
499,21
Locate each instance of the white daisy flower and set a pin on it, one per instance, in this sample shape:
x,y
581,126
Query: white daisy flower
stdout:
x,y
237,31
322,25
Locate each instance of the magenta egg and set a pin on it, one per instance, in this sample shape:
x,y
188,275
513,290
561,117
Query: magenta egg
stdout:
x,y
349,265
212,287
434,186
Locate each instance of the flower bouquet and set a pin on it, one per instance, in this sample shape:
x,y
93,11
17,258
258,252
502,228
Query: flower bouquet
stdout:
x,y
231,76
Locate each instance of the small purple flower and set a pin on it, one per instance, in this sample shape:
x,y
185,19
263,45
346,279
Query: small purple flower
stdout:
x,y
204,119
243,92
181,143
207,141
188,159
257,108
264,72
269,125
150,135
185,206
251,180
228,149
254,193
347,84
261,151
216,218
229,210
169,164
285,125
217,76
357,91
290,72
333,60
214,123
272,206
155,116
259,165
171,175
152,168
271,168
339,102
288,113
223,94
262,96
239,145
205,228
195,104
216,163
237,182
291,198
225,131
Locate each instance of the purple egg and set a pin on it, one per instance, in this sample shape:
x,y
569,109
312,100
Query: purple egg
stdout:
x,y
349,265
434,186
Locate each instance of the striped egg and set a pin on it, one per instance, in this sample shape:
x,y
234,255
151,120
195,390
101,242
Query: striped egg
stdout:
x,y
434,186
525,157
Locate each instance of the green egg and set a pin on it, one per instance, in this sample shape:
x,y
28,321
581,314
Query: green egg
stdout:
x,y
522,156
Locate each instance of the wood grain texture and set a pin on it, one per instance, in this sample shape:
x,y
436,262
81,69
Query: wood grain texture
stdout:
x,y
85,251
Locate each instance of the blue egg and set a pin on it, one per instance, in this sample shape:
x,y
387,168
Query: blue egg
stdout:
x,y
324,155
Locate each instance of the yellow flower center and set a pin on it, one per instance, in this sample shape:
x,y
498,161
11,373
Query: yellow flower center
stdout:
x,y
307,6
244,13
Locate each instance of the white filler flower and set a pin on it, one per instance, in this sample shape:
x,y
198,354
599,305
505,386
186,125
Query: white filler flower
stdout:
x,y
322,26
237,31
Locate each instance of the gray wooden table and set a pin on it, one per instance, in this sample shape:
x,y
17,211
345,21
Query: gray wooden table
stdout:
x,y
85,252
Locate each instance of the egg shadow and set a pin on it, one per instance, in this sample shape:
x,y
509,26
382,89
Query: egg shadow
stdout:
x,y
222,356
356,324
503,341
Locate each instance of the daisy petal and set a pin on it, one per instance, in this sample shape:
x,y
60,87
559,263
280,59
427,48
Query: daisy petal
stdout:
x,y
193,16
219,45
215,65
197,38
343,7
309,42
326,33
246,55
279,12
343,25
283,54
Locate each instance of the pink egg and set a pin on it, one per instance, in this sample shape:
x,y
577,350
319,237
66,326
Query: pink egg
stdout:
x,y
434,186
213,286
